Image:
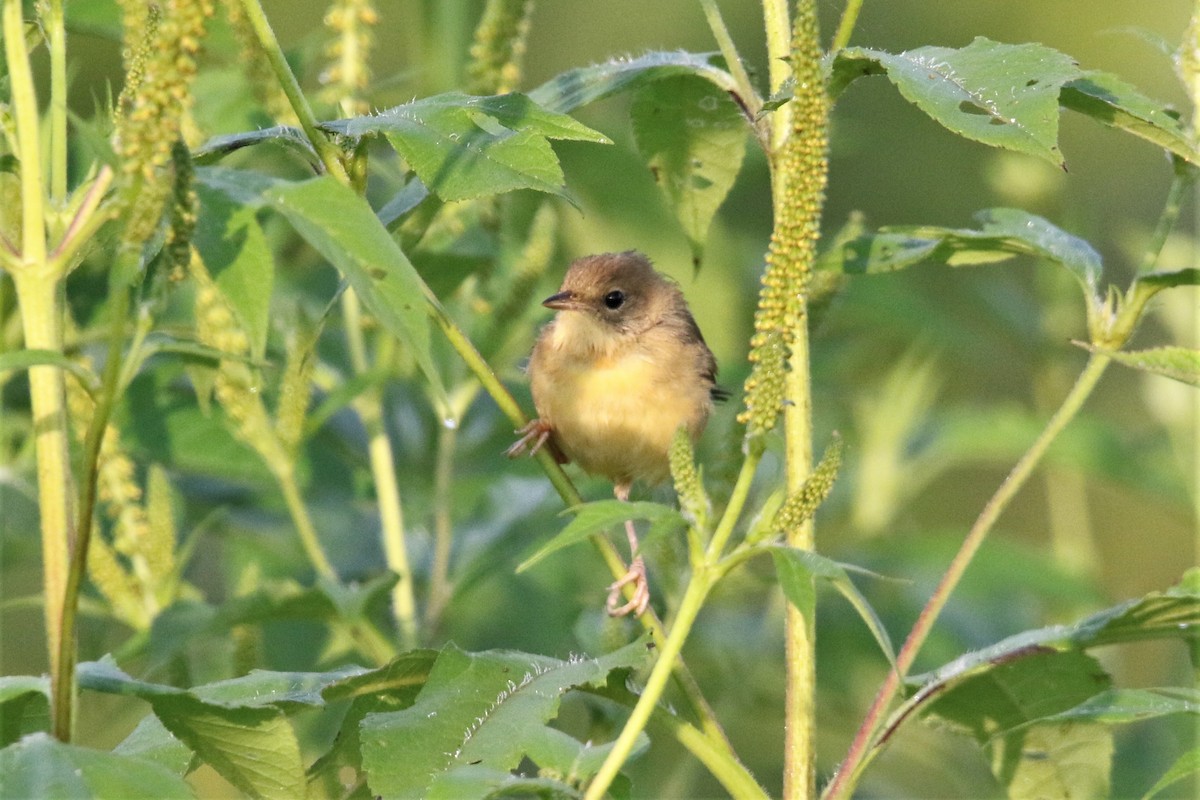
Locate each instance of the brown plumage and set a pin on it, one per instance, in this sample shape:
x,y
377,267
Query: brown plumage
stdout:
x,y
620,368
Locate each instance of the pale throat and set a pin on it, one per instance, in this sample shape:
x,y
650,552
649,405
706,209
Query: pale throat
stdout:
x,y
579,333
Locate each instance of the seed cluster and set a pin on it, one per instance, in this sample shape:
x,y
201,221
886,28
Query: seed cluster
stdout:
x,y
800,172
499,48
693,502
801,505
348,73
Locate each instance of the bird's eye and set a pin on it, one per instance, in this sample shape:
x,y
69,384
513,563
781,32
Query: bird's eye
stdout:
x,y
614,299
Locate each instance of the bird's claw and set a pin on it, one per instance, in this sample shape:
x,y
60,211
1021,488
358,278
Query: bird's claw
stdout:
x,y
533,436
636,574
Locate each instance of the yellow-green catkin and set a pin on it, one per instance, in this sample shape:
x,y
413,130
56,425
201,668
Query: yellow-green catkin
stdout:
x,y
799,174
498,52
799,506
348,74
160,47
294,392
693,501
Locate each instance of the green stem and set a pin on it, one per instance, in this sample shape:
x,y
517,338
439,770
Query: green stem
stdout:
x,y
777,21
744,87
57,40
303,522
867,742
845,28
329,154
40,297
1169,216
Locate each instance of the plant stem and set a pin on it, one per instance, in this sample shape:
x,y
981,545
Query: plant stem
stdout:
x,y
57,42
777,21
327,151
867,742
39,295
303,522
845,28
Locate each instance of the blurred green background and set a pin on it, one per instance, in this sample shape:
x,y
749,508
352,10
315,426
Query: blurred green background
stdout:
x,y
937,378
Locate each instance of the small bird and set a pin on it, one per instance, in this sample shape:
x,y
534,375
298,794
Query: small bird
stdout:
x,y
614,375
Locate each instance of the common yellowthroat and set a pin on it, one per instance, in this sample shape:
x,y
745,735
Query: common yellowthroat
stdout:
x,y
614,375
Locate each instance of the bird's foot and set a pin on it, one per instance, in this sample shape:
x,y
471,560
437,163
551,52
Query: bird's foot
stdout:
x,y
636,574
534,436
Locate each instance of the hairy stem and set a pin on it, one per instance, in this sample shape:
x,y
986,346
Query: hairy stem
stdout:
x,y
845,28
867,742
56,35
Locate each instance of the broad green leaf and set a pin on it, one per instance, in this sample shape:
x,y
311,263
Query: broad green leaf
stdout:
x,y
474,710
561,754
292,139
40,766
234,249
239,185
151,741
1185,766
463,147
467,782
24,699
693,138
1121,706
240,731
24,359
592,518
578,87
342,227
1059,762
1000,94
1003,233
797,569
1179,363
1107,99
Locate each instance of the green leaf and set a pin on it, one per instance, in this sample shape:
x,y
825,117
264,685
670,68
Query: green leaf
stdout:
x,y
342,227
1122,706
235,251
479,781
237,727
578,87
1003,233
151,741
797,570
1000,94
1185,766
291,139
239,185
1179,363
24,359
1059,762
24,699
693,138
463,147
40,766
591,518
1109,100
475,710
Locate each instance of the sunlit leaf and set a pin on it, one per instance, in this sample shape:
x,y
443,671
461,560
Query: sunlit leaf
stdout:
x,y
342,227
151,741
591,518
1003,95
474,711
464,147
1108,99
693,138
1120,706
797,569
578,87
1059,762
41,766
1185,766
1180,363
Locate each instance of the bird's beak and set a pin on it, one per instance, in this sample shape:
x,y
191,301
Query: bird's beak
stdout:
x,y
563,301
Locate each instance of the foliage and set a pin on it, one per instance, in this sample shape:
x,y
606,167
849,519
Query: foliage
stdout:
x,y
219,341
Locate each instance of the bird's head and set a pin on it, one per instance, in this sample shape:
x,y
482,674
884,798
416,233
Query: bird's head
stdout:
x,y
618,292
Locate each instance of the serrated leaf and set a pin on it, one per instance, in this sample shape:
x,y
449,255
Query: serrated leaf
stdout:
x,y
1122,706
463,147
239,185
291,139
1109,100
592,518
234,249
32,357
1179,363
578,87
693,139
1000,94
1059,762
473,711
151,741
23,699
472,782
1003,233
40,766
797,569
342,227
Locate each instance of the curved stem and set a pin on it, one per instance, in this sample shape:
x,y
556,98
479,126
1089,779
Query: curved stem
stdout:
x,y
867,741
303,522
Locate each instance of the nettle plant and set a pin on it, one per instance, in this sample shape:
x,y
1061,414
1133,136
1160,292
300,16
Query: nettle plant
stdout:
x,y
184,341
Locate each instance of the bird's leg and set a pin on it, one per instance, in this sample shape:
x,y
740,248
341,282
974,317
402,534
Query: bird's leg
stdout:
x,y
636,574
534,436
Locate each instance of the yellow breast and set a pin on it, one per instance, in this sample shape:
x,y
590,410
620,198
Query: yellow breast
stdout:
x,y
614,411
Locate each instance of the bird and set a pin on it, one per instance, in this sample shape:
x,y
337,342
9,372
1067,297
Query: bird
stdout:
x,y
617,371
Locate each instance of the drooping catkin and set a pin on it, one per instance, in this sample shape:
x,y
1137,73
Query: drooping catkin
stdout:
x,y
799,506
498,51
800,172
693,501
